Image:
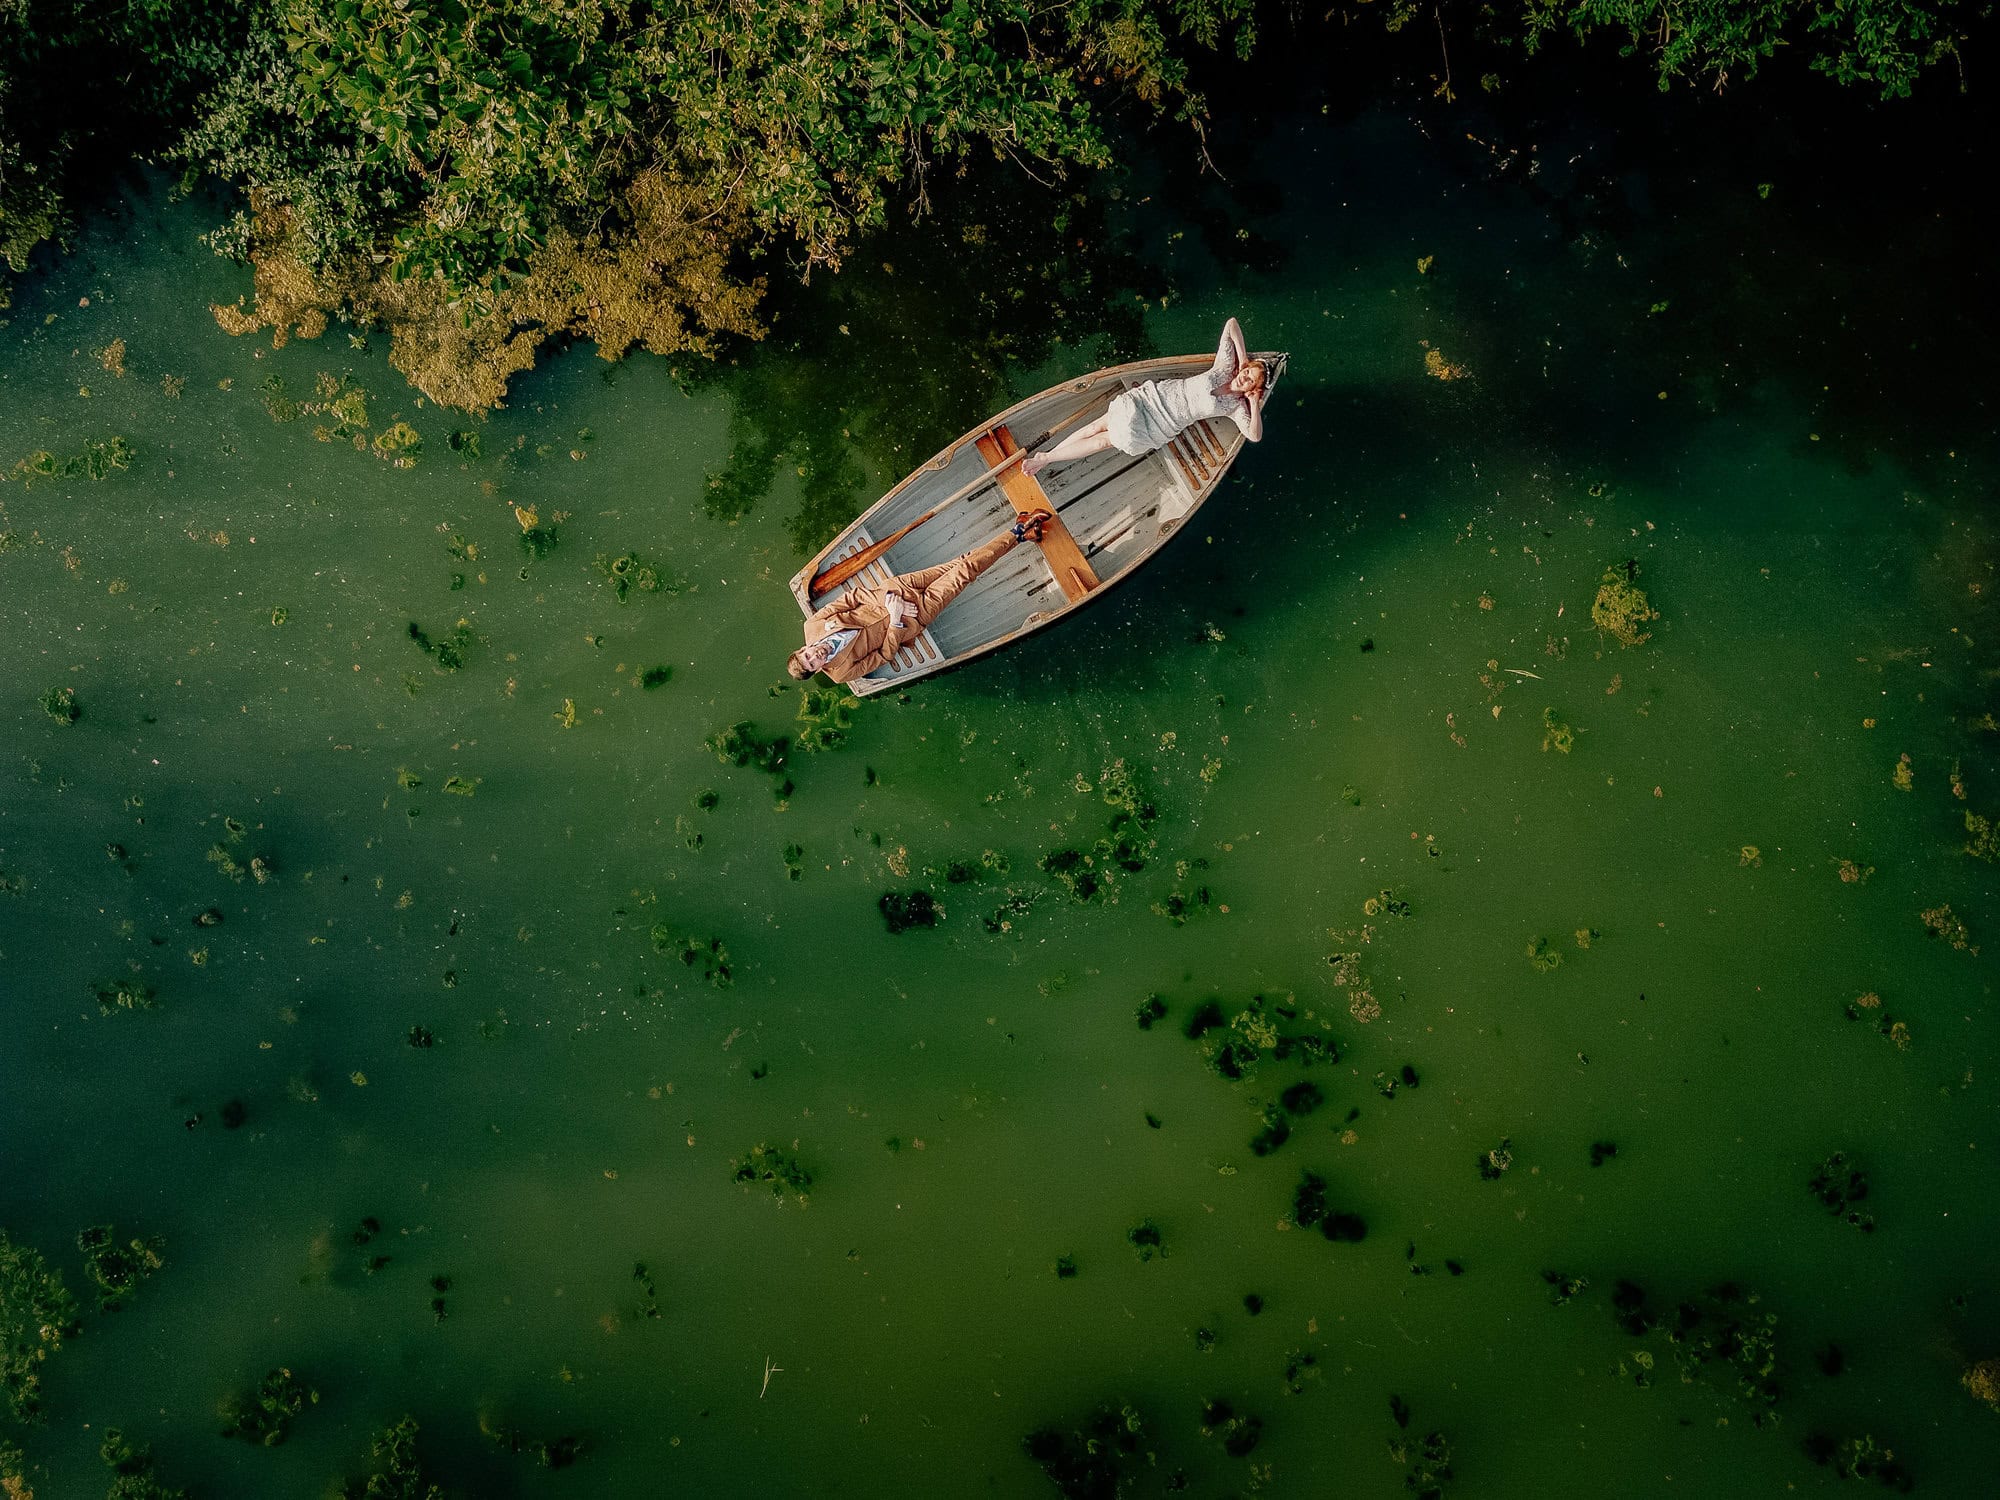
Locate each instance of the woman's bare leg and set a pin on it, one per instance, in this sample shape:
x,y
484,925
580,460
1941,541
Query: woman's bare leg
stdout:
x,y
1079,444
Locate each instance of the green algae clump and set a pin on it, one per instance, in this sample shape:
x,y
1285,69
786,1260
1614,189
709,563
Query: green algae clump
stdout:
x,y
1983,1381
59,703
117,1269
704,954
397,1473
629,571
1088,1462
132,1467
1556,735
267,1418
1981,841
124,994
1544,955
1941,922
1621,608
902,911
825,715
774,1168
1146,1240
37,1314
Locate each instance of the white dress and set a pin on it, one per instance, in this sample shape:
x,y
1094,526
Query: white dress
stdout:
x,y
1153,414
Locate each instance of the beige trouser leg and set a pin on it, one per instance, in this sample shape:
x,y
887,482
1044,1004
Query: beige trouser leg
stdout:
x,y
934,588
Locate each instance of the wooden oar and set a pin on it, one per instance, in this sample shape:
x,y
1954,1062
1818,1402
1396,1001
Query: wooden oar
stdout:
x,y
847,567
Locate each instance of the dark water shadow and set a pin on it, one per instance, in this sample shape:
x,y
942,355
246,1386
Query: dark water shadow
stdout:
x,y
1295,506
869,371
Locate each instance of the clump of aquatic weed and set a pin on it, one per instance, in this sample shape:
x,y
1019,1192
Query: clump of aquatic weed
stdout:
x,y
1311,1209
550,1453
1544,955
1861,1458
59,703
1427,1460
1556,734
1493,1164
123,994
116,1269
1871,1004
1722,1331
1981,841
1125,847
707,955
1244,1040
449,653
94,461
1983,1381
1146,1240
825,715
397,1472
629,571
1240,1432
399,443
740,745
1839,1185
1088,1462
779,1170
267,1417
37,1314
1621,608
134,1466
903,910
1941,922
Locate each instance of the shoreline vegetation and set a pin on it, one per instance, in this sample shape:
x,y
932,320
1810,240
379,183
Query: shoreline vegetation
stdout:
x,y
479,178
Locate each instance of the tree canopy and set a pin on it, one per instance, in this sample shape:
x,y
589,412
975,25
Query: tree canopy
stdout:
x,y
478,176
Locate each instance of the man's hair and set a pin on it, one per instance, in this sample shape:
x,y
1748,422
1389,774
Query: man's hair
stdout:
x,y
800,672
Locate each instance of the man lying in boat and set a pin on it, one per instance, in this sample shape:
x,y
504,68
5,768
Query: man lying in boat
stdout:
x,y
858,630
1151,415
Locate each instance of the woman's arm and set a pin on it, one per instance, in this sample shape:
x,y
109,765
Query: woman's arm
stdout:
x,y
1248,415
1232,340
1229,355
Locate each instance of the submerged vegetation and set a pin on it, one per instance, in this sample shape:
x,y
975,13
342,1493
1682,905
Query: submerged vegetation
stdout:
x,y
116,1268
59,703
134,1473
775,1168
266,1417
1621,608
396,1472
1093,1459
37,1315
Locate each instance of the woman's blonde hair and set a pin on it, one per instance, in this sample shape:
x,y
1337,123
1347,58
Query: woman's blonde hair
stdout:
x,y
1263,371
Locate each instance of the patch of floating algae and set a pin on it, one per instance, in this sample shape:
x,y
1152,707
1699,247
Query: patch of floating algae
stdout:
x,y
116,1268
1903,778
1942,923
765,1165
1090,1460
1621,608
37,1315
1556,734
60,704
266,1417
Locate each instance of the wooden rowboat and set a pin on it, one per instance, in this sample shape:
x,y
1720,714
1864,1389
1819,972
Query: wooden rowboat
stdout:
x,y
1112,512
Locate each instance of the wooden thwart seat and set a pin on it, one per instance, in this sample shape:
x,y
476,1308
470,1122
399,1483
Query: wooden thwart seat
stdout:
x,y
1072,570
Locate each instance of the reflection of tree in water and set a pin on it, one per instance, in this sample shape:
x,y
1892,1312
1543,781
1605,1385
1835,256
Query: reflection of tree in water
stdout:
x,y
910,345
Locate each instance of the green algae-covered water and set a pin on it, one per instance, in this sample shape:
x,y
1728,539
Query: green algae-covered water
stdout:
x,y
475,972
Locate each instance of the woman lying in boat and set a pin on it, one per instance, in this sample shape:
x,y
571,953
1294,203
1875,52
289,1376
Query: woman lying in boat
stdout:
x,y
1152,415
859,629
